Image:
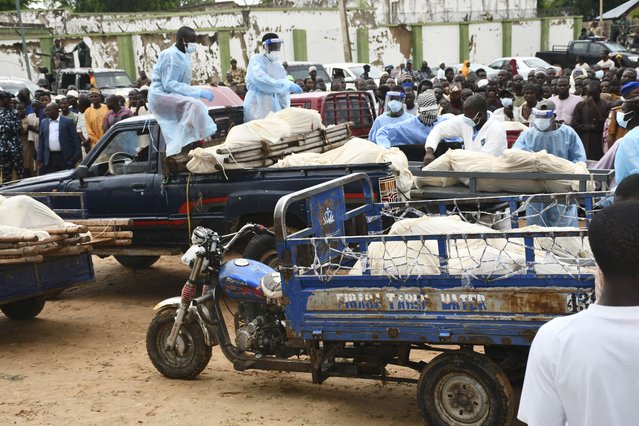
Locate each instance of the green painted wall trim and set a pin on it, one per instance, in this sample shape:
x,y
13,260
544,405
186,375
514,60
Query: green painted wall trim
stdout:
x,y
224,43
464,39
579,22
300,47
506,38
362,45
46,43
126,60
418,45
545,34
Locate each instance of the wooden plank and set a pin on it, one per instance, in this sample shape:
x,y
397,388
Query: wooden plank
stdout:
x,y
103,222
22,260
120,235
65,230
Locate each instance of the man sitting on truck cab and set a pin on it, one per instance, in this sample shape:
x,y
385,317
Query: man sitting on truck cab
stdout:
x,y
480,130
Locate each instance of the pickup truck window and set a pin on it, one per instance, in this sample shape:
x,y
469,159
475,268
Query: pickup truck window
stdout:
x,y
596,49
112,79
128,151
580,47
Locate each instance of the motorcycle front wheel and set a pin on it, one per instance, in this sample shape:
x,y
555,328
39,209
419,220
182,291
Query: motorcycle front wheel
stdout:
x,y
191,354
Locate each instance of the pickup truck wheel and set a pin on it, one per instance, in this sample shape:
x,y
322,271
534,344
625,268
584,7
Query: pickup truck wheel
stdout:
x,y
191,354
465,388
262,249
137,262
24,309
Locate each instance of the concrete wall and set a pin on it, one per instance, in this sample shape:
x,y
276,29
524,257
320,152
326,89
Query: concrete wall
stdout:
x,y
441,44
561,31
485,42
526,36
134,41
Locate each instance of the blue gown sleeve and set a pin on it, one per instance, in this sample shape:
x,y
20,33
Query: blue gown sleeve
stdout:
x,y
520,143
263,82
577,151
382,137
172,75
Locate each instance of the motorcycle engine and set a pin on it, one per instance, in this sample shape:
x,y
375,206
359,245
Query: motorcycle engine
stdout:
x,y
259,329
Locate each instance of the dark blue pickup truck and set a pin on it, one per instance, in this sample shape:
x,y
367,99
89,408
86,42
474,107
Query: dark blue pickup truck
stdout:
x,y
126,175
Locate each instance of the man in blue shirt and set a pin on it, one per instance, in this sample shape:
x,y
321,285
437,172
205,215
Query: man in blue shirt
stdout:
x,y
556,139
394,112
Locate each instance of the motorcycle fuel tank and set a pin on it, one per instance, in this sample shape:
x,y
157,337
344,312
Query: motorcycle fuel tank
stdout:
x,y
240,279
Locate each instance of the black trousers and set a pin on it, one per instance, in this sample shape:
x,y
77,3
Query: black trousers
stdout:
x,y
56,163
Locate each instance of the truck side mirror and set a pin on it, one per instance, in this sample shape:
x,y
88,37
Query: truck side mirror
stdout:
x,y
80,173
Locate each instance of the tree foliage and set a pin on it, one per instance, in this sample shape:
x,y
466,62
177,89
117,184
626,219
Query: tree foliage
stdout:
x,y
587,8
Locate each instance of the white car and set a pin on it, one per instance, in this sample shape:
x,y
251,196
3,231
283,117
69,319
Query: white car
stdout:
x,y
350,71
14,84
525,64
491,73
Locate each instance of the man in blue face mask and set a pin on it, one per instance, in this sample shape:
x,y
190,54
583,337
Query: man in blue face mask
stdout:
x,y
394,112
556,139
182,116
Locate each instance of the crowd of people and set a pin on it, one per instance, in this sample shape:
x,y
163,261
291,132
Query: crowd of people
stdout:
x,y
45,133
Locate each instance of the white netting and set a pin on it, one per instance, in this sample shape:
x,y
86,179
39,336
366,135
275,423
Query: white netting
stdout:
x,y
474,241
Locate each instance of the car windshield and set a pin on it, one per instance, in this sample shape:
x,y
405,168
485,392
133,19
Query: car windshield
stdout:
x,y
536,63
614,47
12,86
109,80
359,70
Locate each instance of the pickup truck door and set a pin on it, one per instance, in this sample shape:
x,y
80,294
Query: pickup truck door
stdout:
x,y
127,189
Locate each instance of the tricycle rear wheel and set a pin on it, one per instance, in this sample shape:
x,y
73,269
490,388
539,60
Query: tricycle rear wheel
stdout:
x,y
465,388
191,354
24,309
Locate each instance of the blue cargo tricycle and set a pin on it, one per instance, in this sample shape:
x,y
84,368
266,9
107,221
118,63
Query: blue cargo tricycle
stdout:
x,y
355,297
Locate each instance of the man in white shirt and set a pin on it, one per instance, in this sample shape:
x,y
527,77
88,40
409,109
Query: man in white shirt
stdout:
x,y
480,130
582,368
565,103
606,63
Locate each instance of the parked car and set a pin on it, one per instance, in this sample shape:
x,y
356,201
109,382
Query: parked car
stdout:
x,y
589,50
491,73
350,71
15,84
110,81
299,70
525,64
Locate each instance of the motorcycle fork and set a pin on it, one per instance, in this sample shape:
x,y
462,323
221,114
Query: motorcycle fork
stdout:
x,y
188,293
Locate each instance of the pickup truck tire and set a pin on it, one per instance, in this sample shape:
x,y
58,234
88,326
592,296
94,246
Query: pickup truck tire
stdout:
x,y
136,262
194,354
262,249
464,387
24,309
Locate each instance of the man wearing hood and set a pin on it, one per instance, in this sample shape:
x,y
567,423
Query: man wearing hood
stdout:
x,y
394,112
415,129
268,88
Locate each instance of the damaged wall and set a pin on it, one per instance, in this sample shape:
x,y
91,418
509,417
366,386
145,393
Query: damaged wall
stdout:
x,y
226,34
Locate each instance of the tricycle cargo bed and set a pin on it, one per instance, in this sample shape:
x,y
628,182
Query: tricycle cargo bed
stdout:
x,y
19,282
467,282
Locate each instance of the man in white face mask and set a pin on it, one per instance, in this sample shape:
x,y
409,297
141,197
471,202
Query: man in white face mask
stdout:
x,y
480,130
268,88
182,116
556,139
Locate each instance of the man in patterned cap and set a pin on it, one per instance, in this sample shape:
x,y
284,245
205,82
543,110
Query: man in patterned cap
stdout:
x,y
10,145
415,130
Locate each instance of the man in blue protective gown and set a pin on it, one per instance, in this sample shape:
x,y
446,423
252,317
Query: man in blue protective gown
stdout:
x,y
627,156
176,105
394,112
415,129
561,141
266,82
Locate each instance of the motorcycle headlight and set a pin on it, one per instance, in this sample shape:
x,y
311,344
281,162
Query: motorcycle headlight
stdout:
x,y
199,235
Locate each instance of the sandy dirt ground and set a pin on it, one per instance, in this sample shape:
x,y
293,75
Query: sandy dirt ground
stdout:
x,y
83,361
